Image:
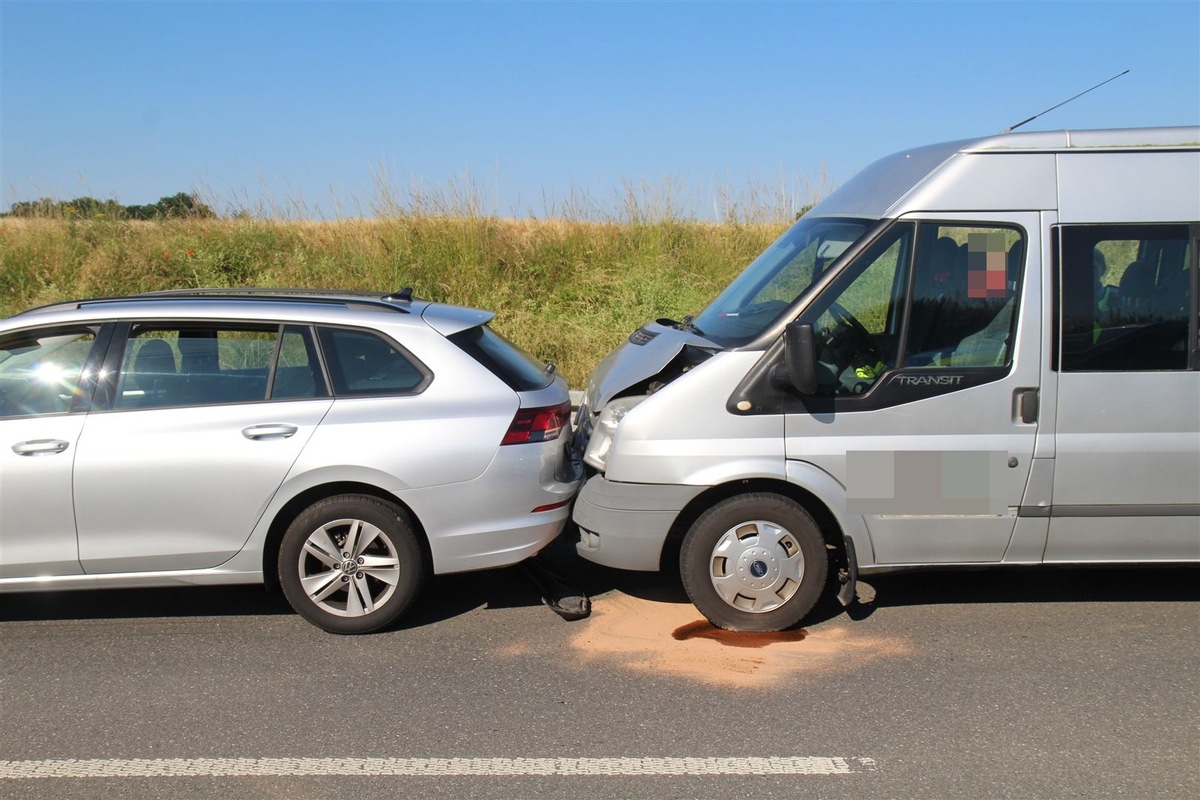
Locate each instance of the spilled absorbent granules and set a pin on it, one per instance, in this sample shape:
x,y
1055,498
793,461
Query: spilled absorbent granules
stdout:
x,y
672,639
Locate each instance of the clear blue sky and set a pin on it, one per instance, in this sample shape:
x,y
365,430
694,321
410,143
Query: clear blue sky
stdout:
x,y
309,103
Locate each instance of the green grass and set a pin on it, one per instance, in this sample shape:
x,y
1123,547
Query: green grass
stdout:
x,y
566,290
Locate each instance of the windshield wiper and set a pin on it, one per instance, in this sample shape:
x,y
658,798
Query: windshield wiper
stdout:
x,y
684,325
688,326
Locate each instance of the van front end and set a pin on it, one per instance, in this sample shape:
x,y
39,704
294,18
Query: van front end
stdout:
x,y
659,461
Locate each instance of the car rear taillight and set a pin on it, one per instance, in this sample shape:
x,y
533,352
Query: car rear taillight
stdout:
x,y
537,424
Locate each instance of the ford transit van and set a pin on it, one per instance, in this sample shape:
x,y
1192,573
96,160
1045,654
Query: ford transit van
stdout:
x,y
973,353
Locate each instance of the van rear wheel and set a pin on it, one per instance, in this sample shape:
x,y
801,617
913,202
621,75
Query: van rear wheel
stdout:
x,y
754,562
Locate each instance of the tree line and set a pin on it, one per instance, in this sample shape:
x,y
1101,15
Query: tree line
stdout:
x,y
177,206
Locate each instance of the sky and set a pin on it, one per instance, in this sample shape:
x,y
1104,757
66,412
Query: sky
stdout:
x,y
336,109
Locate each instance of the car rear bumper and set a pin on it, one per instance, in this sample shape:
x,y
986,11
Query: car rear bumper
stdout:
x,y
509,513
468,550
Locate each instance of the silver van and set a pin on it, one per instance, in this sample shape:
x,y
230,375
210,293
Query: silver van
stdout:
x,y
977,352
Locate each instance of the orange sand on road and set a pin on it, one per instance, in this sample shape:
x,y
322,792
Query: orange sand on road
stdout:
x,y
638,634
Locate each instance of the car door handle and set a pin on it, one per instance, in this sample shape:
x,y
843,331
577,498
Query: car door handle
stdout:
x,y
276,430
1027,405
40,447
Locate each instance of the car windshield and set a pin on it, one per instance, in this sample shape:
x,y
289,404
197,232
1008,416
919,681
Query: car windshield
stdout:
x,y
776,278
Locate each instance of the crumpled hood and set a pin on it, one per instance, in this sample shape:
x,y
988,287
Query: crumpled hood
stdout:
x,y
640,357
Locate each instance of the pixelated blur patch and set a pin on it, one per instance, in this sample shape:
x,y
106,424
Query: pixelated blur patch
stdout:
x,y
987,265
926,483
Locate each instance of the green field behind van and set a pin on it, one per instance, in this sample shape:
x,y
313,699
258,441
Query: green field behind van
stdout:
x,y
566,290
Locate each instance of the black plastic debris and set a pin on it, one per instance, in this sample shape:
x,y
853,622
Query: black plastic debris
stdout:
x,y
568,601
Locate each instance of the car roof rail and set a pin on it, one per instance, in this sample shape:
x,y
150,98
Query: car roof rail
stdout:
x,y
299,295
241,291
392,302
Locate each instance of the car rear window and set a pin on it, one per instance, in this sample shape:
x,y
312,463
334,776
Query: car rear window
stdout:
x,y
521,371
362,363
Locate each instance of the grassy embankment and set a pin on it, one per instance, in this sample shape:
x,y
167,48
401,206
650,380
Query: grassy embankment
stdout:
x,y
567,291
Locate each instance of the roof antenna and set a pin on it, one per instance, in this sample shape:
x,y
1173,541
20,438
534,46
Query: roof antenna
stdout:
x,y
1063,103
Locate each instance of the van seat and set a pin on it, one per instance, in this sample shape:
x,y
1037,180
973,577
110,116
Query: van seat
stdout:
x,y
987,347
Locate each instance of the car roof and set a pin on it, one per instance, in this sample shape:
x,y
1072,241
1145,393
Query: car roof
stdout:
x,y
308,305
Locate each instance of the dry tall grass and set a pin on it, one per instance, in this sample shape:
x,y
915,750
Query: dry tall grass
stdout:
x,y
566,290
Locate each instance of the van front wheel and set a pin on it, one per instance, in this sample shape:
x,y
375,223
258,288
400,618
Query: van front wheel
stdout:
x,y
755,562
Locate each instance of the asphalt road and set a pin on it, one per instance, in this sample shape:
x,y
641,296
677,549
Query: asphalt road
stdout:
x,y
1021,684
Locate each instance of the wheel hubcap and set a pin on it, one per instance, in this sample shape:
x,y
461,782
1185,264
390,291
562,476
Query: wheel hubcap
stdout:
x,y
756,566
349,568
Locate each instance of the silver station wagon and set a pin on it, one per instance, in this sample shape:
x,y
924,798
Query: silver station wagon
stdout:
x,y
345,445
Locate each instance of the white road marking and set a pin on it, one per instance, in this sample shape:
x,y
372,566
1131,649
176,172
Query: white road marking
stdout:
x,y
436,767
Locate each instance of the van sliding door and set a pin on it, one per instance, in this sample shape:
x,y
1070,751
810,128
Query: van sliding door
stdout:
x,y
1127,438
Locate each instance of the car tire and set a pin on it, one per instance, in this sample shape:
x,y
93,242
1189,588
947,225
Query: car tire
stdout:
x,y
351,564
754,562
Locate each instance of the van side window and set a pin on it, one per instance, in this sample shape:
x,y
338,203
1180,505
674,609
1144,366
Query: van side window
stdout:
x,y
857,323
964,294
1125,294
932,296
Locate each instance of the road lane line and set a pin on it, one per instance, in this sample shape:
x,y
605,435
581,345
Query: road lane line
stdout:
x,y
436,767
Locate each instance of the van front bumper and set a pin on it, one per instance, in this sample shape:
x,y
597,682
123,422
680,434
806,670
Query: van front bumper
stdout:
x,y
624,525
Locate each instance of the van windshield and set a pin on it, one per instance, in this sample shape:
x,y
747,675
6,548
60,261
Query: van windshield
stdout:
x,y
776,278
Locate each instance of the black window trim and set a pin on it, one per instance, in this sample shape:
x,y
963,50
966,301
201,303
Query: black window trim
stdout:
x,y
1194,324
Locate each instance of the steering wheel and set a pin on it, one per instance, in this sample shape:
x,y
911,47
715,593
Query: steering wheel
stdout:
x,y
850,334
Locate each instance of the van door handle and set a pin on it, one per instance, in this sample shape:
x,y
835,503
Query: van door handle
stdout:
x,y
40,447
1027,405
276,430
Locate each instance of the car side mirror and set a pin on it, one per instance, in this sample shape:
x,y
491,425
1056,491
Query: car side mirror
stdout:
x,y
799,367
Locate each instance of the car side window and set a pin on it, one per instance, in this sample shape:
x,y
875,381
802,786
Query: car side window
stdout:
x,y
41,371
1125,297
166,366
297,367
364,363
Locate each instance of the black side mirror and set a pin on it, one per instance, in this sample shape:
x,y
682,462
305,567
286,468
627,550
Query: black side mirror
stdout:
x,y
800,356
